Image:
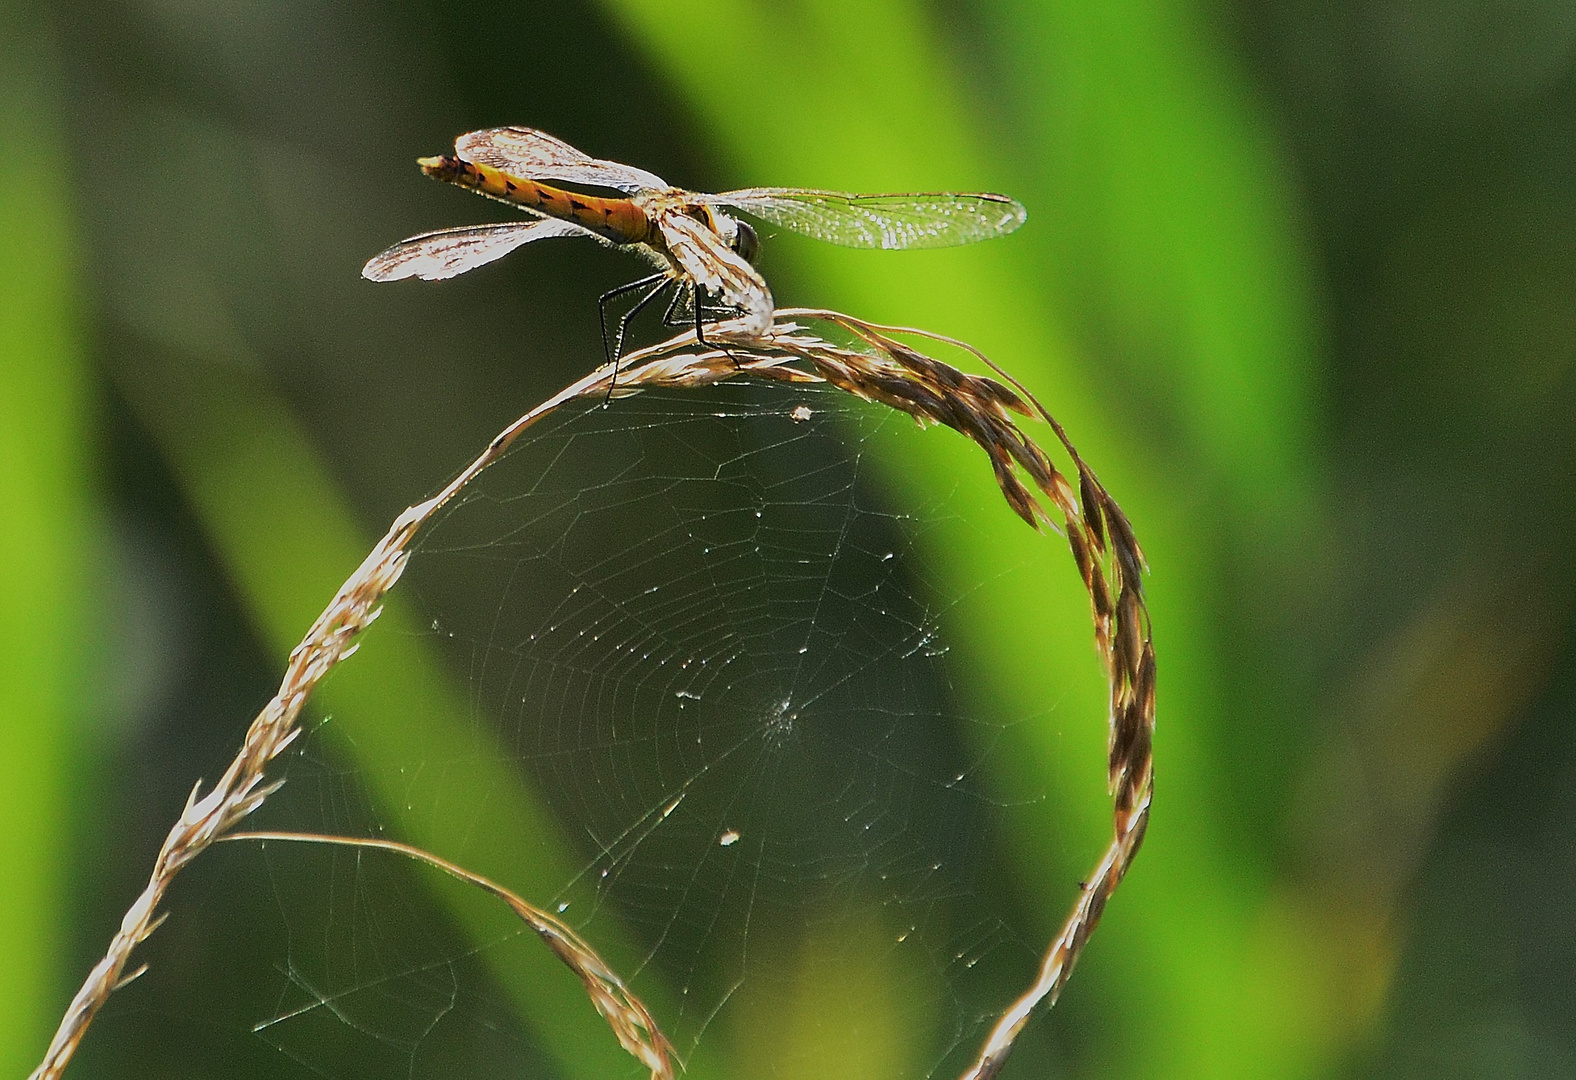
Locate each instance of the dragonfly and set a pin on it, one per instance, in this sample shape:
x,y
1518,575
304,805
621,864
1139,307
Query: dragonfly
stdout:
x,y
695,241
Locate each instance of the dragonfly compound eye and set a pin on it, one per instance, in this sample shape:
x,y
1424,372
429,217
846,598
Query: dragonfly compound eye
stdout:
x,y
745,243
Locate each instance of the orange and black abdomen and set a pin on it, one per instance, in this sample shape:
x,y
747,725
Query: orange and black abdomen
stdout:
x,y
618,220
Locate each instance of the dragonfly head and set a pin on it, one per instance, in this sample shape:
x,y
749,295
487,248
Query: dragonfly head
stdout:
x,y
745,243
738,235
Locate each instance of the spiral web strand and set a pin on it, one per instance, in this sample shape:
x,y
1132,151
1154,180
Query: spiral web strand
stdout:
x,y
690,623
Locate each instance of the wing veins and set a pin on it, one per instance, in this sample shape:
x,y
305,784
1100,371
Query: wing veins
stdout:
x,y
447,253
536,155
887,221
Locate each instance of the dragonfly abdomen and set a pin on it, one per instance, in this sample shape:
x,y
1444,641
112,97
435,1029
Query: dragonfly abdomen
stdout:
x,y
618,220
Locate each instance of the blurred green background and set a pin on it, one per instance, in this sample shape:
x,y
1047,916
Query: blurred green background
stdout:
x,y
1298,278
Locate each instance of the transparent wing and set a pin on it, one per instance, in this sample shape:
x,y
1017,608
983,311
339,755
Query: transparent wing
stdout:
x,y
449,252
920,220
535,155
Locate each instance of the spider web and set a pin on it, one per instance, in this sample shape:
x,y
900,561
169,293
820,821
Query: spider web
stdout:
x,y
695,626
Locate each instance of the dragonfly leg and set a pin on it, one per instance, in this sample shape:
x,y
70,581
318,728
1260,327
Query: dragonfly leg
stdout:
x,y
700,336
674,317
680,311
670,317
606,299
614,349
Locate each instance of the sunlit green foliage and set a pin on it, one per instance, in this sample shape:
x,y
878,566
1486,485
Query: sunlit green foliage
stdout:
x,y
45,553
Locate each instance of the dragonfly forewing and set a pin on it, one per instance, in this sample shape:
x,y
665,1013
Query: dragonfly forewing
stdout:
x,y
889,222
535,155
